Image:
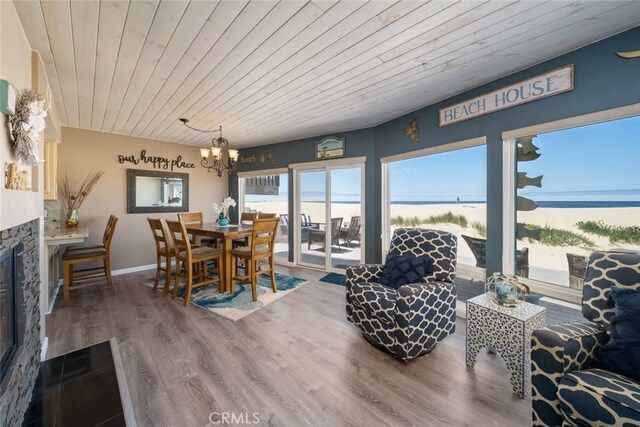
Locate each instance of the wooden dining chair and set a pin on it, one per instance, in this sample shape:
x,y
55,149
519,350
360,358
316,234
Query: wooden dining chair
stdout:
x,y
263,215
99,245
85,255
197,218
164,249
245,218
248,217
195,260
263,237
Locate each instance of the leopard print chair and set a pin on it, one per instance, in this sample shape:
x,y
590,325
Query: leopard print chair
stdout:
x,y
564,390
411,320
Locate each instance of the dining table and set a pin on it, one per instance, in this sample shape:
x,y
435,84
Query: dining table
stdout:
x,y
227,235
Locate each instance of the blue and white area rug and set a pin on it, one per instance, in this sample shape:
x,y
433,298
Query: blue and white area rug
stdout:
x,y
236,305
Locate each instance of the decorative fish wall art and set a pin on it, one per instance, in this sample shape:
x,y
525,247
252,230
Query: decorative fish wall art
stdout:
x,y
523,232
527,144
524,204
524,180
526,157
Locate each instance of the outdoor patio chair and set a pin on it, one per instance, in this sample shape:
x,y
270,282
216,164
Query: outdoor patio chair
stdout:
x,y
284,225
351,233
577,268
478,247
316,235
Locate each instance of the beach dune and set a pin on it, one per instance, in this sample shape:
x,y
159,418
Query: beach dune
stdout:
x,y
547,263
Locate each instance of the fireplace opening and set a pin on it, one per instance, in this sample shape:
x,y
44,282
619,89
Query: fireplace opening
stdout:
x,y
11,277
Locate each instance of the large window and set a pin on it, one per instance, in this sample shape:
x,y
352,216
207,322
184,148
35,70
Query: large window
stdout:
x,y
269,193
577,191
444,191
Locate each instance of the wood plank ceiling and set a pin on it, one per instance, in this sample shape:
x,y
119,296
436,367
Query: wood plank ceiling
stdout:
x,y
271,71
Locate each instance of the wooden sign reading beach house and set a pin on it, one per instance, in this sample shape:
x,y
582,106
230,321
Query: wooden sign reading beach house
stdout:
x,y
551,83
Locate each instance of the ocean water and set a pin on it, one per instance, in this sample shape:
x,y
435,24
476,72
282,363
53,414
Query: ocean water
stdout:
x,y
541,204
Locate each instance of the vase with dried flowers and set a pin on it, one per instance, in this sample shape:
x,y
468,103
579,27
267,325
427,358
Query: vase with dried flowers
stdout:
x,y
73,195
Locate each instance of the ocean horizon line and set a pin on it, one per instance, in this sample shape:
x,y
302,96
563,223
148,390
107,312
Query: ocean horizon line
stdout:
x,y
541,204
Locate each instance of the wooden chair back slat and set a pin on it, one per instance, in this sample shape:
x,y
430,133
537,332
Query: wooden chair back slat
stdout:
x,y
160,234
263,215
105,235
191,217
248,217
264,232
180,237
109,231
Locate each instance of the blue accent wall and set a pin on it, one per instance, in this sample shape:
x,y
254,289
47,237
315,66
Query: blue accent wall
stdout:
x,y
602,81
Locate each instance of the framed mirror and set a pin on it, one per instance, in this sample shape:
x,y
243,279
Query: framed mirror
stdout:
x,y
157,191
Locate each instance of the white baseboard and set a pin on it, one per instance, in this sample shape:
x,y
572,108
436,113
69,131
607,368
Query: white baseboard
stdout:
x,y
45,347
133,269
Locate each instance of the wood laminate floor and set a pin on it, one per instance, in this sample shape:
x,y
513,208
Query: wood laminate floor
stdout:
x,y
296,362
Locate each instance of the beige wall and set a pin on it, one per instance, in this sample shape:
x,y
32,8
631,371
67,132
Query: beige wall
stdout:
x,y
16,207
133,245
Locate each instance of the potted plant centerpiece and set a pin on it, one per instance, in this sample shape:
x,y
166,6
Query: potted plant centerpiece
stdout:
x,y
223,211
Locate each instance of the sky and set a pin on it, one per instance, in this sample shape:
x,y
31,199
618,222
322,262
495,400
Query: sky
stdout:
x,y
599,162
441,177
594,162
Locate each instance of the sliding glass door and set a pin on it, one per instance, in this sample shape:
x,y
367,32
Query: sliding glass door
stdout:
x,y
312,218
346,217
330,216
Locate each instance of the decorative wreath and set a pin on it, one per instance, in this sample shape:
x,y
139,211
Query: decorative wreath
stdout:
x,y
26,124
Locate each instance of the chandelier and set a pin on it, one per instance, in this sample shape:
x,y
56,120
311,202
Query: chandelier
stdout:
x,y
219,157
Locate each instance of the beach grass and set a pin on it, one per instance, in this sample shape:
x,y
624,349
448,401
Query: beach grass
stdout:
x,y
616,234
415,221
480,228
559,237
448,218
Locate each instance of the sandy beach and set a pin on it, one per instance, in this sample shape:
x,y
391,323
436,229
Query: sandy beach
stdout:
x,y
547,263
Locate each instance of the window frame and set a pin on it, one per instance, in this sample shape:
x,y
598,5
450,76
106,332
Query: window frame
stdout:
x,y
385,236
241,195
509,170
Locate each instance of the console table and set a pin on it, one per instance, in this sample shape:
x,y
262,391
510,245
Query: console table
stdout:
x,y
53,238
506,330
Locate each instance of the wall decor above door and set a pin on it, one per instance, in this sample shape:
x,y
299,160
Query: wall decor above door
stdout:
x,y
330,148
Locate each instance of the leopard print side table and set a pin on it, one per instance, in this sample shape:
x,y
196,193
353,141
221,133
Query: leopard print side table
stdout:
x,y
508,331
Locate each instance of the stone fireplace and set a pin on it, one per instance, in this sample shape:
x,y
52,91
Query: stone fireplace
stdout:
x,y
20,343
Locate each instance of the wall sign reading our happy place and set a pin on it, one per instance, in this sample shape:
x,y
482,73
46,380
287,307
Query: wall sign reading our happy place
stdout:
x,y
551,83
156,161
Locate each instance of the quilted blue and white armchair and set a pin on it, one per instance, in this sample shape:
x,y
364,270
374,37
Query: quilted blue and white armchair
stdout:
x,y
567,388
409,321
